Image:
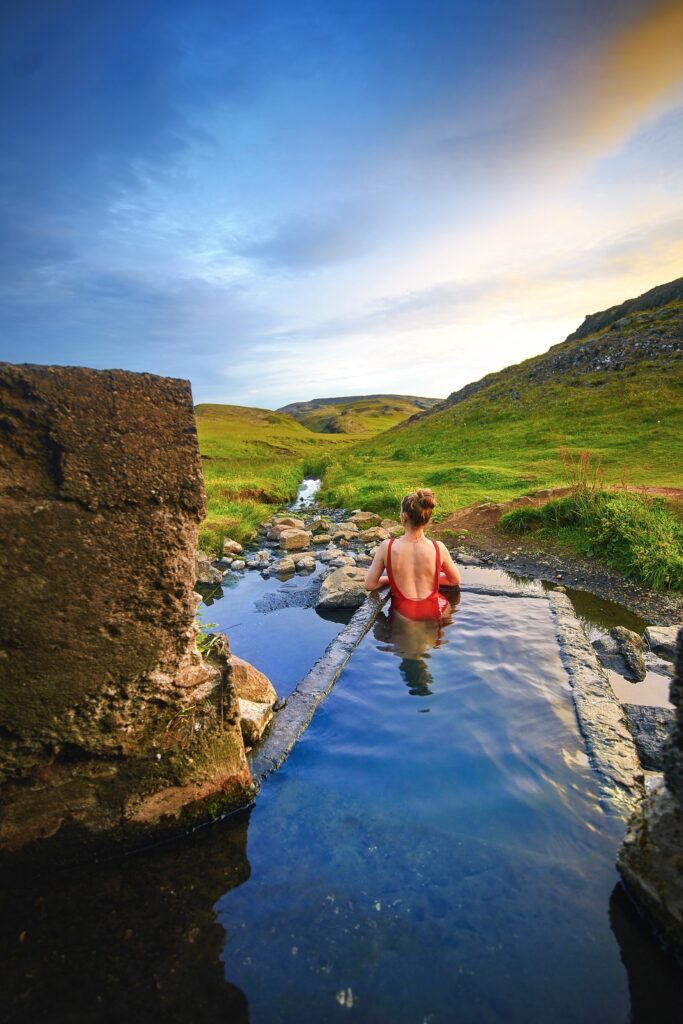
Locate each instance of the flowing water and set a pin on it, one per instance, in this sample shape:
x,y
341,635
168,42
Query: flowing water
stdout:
x,y
434,850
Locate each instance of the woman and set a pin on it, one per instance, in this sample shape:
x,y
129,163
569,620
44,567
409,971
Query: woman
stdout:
x,y
415,566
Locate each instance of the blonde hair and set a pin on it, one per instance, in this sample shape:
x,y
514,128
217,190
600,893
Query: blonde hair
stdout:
x,y
419,507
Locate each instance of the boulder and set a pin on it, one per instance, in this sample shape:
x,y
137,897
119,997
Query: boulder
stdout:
x,y
254,719
662,639
390,524
294,540
374,535
238,564
631,647
205,572
289,522
363,519
250,684
649,727
231,547
285,565
306,564
343,588
319,525
321,538
345,532
363,560
609,654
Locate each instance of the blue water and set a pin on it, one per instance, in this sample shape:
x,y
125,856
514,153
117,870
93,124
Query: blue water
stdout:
x,y
434,848
283,642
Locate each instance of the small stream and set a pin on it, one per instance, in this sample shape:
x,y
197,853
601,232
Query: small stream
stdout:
x,y
433,850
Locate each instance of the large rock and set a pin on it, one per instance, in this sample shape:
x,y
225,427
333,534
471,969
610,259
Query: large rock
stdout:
x,y
662,639
651,857
288,522
343,588
363,519
254,719
111,719
345,531
231,547
649,727
319,525
374,535
250,684
205,572
294,540
631,647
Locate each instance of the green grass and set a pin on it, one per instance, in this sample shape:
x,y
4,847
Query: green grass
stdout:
x,y
491,447
637,535
253,461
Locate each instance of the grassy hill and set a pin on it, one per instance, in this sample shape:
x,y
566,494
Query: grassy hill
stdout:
x,y
613,387
366,414
252,459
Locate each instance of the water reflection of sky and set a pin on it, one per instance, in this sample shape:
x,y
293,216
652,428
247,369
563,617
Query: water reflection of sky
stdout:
x,y
441,866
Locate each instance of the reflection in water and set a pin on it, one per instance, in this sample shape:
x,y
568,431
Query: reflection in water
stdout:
x,y
411,640
134,939
654,978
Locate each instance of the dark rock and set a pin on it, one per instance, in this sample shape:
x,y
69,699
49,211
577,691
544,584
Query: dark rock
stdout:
x,y
649,727
650,858
631,648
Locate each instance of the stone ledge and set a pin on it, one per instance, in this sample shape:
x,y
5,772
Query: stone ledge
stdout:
x,y
300,706
602,721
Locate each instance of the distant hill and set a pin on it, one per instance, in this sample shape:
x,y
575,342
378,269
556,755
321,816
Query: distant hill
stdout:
x,y
614,386
357,414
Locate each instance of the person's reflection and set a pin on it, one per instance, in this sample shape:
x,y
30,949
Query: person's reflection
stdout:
x,y
411,640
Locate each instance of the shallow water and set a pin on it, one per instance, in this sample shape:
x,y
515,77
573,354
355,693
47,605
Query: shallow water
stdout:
x,y
433,850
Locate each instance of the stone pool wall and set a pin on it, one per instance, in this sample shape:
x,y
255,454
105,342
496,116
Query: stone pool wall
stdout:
x,y
651,857
109,718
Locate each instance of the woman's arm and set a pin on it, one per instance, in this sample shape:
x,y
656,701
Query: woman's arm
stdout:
x,y
449,569
376,577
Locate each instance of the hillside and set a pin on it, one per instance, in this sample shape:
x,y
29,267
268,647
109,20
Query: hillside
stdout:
x,y
613,387
364,414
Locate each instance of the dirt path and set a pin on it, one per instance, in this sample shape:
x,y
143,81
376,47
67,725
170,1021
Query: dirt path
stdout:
x,y
529,556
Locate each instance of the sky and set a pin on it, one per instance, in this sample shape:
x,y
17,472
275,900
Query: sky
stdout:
x,y
289,200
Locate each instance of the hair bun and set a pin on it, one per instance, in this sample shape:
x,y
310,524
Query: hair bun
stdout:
x,y
426,498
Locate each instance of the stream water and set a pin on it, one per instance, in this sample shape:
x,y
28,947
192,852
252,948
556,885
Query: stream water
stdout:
x,y
433,850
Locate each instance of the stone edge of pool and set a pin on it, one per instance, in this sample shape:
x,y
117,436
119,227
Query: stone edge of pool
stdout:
x,y
602,722
293,719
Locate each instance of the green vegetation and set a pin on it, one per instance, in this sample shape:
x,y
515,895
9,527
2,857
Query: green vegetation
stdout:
x,y
253,459
366,415
633,533
505,441
508,438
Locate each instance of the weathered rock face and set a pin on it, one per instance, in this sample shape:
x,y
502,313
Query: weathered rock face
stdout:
x,y
108,713
651,857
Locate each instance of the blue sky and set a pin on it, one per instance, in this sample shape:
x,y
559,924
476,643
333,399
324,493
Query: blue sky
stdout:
x,y
282,201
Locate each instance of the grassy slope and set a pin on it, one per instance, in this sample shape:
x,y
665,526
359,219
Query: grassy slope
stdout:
x,y
252,458
361,416
491,446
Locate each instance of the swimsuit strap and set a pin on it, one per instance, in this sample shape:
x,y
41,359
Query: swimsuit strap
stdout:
x,y
390,573
438,566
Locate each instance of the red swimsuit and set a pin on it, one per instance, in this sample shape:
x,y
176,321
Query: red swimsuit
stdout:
x,y
431,607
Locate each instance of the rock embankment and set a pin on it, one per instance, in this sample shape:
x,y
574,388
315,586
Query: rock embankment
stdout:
x,y
293,544
111,721
651,857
